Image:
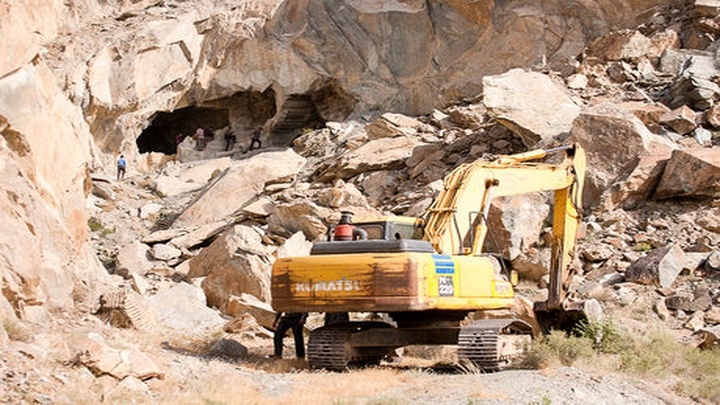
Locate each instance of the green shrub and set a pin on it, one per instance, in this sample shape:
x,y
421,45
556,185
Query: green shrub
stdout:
x,y
642,247
604,335
94,224
557,347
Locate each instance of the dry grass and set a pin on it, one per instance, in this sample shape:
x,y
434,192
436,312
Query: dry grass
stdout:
x,y
368,386
655,357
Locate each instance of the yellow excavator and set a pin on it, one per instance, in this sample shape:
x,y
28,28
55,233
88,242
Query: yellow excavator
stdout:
x,y
427,274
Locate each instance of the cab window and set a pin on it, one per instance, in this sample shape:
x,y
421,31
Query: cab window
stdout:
x,y
374,231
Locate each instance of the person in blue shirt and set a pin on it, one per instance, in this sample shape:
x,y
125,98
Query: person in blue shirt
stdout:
x,y
121,166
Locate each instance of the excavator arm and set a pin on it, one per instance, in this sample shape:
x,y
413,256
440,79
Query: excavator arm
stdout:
x,y
457,221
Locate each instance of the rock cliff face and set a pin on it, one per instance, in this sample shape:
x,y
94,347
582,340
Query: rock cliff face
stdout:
x,y
83,79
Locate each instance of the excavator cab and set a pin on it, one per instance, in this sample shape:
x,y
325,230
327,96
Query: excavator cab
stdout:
x,y
383,228
393,228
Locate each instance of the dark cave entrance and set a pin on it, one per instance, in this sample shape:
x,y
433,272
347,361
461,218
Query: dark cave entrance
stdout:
x,y
325,101
282,119
160,135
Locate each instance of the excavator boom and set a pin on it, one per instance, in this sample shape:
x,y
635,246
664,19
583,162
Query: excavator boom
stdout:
x,y
457,222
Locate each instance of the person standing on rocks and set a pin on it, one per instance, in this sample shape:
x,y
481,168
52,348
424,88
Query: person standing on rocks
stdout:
x,y
229,138
200,138
121,166
285,321
255,138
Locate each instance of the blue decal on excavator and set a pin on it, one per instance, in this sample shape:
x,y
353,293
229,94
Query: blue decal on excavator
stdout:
x,y
443,264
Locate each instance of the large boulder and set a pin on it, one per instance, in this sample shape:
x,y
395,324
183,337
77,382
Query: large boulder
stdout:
x,y
182,309
616,141
235,263
530,104
305,217
660,267
379,154
515,223
238,186
691,173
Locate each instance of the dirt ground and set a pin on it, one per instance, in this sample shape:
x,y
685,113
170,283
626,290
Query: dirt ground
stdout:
x,y
44,372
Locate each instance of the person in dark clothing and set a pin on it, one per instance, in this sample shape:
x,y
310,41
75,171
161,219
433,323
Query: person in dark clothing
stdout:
x,y
229,138
255,139
285,321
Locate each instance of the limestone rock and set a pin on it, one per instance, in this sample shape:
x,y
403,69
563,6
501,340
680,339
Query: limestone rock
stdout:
x,y
103,191
165,252
231,268
515,223
681,120
202,172
703,137
530,104
391,125
610,134
249,304
577,81
379,154
710,337
639,185
167,186
696,322
182,309
150,210
238,240
242,274
713,261
296,245
103,359
163,235
661,310
133,258
304,217
235,188
622,45
377,185
712,115
660,267
691,172
472,116
649,114
189,240
694,85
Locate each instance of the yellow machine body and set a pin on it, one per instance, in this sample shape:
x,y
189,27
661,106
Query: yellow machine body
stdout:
x,y
389,282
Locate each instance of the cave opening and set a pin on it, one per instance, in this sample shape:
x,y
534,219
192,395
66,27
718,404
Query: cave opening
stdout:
x,y
165,126
283,119
325,101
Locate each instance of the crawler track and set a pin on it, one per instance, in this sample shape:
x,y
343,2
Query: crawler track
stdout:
x,y
490,344
329,347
